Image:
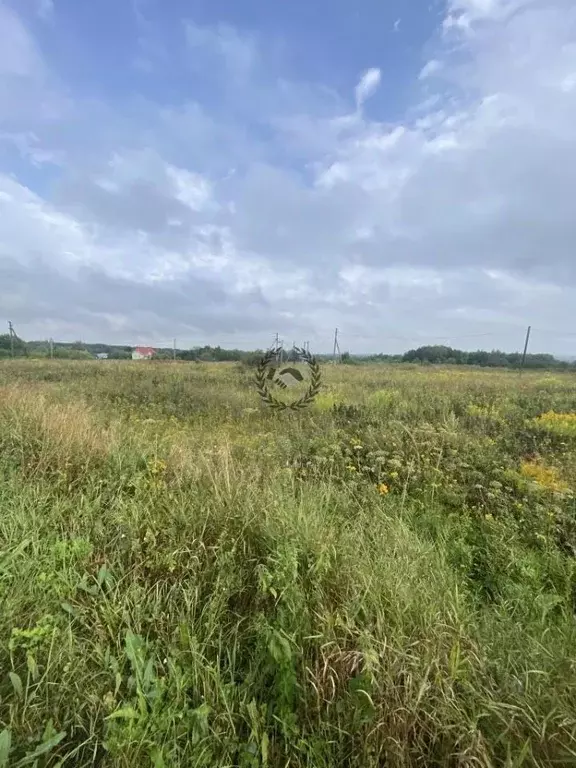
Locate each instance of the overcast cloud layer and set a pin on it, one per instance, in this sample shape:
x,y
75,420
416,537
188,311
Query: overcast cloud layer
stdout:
x,y
254,201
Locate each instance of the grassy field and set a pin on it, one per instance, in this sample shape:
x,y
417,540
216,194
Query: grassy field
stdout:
x,y
190,579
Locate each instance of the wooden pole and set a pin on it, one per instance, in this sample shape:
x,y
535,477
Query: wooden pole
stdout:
x,y
11,332
525,348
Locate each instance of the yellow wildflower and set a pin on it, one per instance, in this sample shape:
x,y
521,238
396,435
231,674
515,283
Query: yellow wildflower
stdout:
x,y
560,423
382,489
157,466
543,476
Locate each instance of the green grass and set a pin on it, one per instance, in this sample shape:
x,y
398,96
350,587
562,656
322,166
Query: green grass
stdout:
x,y
189,579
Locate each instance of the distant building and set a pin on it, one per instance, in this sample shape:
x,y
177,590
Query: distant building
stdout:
x,y
143,353
102,356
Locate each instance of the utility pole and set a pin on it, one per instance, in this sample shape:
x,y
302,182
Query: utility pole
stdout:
x,y
11,332
174,351
336,351
276,344
51,349
525,348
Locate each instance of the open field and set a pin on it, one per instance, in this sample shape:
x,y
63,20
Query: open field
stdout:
x,y
188,579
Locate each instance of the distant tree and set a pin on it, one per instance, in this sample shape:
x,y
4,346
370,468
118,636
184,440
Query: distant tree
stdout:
x,y
187,354
64,353
7,344
252,359
347,359
493,359
434,354
5,341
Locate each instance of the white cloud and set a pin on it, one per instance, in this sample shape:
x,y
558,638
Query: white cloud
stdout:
x,y
19,55
224,45
431,67
281,211
191,188
27,144
568,83
463,14
367,86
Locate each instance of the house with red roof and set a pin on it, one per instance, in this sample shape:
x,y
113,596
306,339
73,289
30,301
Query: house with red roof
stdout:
x,y
143,353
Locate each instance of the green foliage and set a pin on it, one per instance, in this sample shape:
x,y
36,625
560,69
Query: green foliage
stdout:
x,y
218,355
494,359
9,344
190,579
73,353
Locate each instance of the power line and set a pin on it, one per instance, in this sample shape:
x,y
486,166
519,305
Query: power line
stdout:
x,y
421,338
559,334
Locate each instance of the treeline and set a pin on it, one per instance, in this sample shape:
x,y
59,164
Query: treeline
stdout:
x,y
78,350
427,355
218,355
442,355
493,359
75,350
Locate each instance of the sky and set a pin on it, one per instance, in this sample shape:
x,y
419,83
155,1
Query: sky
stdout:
x,y
219,172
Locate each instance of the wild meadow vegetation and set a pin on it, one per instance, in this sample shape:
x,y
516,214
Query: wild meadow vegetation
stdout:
x,y
190,579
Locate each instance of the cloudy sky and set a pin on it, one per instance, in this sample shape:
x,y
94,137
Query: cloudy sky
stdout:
x,y
221,171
